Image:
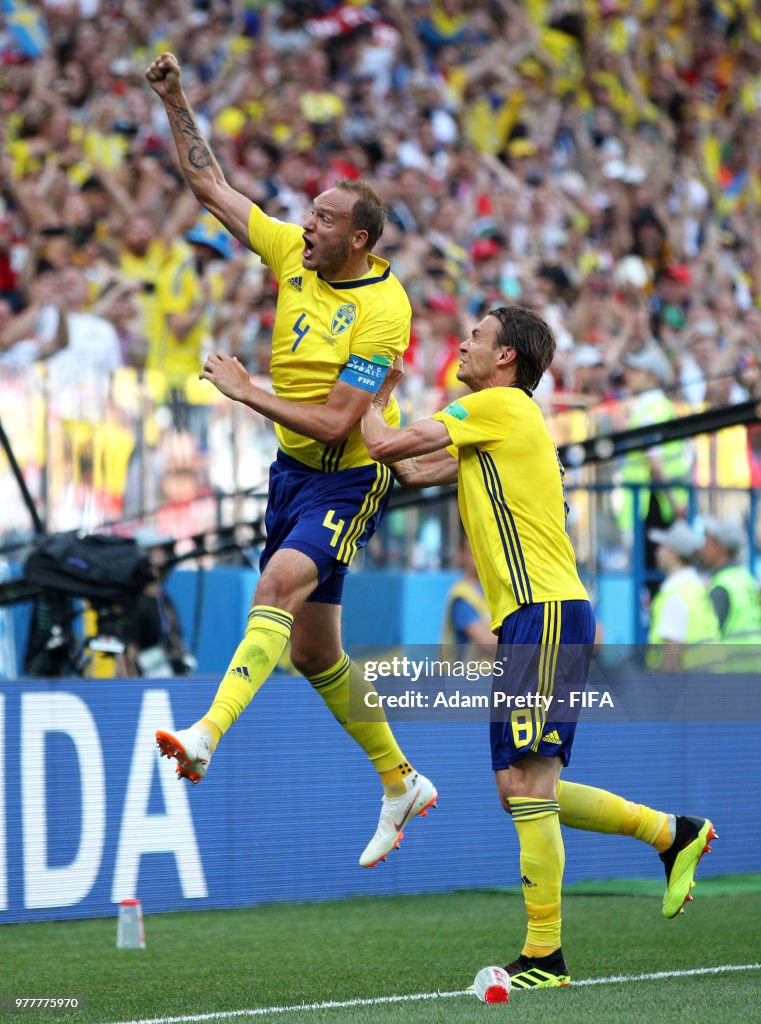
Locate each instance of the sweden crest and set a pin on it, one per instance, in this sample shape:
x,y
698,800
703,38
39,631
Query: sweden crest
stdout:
x,y
344,317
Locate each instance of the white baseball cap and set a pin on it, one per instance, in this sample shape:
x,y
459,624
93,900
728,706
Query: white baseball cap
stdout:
x,y
652,360
680,537
728,532
587,355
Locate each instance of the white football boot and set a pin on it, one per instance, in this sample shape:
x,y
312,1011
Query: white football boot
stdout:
x,y
396,813
190,749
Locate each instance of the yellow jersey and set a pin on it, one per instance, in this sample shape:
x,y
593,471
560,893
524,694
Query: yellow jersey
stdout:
x,y
177,289
510,492
145,270
318,325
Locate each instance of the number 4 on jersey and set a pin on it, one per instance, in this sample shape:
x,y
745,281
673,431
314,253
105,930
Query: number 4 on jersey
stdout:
x,y
300,329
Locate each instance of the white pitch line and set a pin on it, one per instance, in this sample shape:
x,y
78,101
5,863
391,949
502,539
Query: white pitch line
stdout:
x,y
261,1011
657,975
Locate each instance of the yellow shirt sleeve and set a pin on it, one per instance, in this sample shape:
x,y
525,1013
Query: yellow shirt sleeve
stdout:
x,y
385,317
475,419
272,239
386,338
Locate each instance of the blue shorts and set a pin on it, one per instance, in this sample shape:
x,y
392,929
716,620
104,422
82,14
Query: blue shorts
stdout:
x,y
327,516
544,650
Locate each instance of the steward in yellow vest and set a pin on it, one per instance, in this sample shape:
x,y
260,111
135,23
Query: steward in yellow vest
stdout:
x,y
647,372
466,616
684,631
734,594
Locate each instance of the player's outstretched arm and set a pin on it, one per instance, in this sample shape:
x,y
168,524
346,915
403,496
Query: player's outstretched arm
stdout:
x,y
427,470
328,422
391,444
417,454
202,172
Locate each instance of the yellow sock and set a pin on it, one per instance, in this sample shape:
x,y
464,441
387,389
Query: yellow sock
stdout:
x,y
255,658
542,863
393,779
211,731
336,686
596,810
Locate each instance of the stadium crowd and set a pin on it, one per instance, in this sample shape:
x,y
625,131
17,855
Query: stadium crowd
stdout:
x,y
596,160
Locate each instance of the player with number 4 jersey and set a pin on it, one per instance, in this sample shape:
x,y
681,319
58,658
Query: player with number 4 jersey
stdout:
x,y
348,330
342,318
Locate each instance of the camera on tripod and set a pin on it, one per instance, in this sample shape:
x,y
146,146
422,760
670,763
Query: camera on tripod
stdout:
x,y
108,572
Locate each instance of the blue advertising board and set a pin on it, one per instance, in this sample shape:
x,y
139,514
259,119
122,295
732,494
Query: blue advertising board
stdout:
x,y
90,815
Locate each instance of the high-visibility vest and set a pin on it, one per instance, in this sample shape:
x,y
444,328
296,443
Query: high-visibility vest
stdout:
x,y
701,645
676,458
473,595
742,626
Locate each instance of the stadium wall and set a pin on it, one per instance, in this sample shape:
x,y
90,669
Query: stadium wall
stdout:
x,y
381,608
89,814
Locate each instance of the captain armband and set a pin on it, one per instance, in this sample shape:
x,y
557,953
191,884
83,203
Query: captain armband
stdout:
x,y
367,374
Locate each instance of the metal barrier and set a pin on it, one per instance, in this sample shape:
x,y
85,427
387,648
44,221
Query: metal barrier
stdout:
x,y
120,452
605,551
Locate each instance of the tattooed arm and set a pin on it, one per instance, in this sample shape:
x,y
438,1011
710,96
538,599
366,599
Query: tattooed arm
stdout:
x,y
202,172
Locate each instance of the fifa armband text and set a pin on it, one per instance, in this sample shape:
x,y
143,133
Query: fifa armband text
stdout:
x,y
367,374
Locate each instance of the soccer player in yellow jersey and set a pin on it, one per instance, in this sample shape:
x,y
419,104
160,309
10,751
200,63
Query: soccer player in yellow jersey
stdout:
x,y
341,319
496,446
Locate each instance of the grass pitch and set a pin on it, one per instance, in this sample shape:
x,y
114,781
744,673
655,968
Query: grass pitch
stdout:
x,y
219,962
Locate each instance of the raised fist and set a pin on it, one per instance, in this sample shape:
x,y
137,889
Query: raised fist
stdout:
x,y
164,75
